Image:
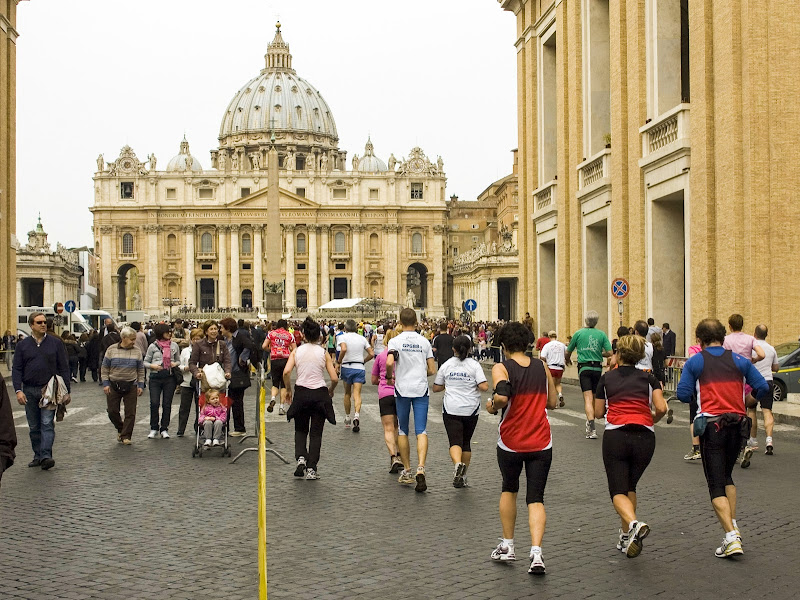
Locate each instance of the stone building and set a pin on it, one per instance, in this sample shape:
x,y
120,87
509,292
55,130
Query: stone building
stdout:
x,y
363,227
483,262
8,161
658,143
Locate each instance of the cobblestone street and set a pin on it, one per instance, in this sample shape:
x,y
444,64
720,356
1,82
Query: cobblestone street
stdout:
x,y
111,521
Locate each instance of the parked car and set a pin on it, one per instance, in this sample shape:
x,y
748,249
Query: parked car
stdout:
x,y
787,379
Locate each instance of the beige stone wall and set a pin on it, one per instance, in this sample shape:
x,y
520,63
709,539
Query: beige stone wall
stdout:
x,y
729,154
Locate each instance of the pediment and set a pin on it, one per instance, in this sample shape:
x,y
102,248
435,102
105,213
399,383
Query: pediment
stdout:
x,y
258,199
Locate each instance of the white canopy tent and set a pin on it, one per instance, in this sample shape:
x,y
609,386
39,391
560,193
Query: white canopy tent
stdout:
x,y
341,303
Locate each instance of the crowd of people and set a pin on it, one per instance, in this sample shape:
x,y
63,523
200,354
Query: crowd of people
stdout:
x,y
621,380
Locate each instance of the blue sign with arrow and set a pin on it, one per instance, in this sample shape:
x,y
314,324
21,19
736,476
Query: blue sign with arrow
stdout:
x,y
470,305
70,306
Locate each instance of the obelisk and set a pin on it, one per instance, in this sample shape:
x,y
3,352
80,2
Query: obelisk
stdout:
x,y
273,278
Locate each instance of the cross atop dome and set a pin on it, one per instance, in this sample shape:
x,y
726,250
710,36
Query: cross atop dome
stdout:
x,y
278,57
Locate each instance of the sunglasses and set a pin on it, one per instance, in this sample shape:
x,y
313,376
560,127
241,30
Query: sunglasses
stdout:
x,y
40,322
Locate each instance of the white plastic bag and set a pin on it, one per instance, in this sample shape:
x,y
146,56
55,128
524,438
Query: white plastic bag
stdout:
x,y
214,375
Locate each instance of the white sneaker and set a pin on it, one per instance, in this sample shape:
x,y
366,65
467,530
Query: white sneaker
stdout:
x,y
152,435
729,548
347,422
215,443
282,410
207,443
164,435
503,553
636,536
311,474
537,564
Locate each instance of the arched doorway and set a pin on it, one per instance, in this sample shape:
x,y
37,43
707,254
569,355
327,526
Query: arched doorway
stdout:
x,y
130,295
302,299
417,282
247,299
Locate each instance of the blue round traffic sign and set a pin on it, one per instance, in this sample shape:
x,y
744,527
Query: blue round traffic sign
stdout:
x,y
470,305
619,288
70,306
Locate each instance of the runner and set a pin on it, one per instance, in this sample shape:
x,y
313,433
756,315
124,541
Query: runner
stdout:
x,y
312,398
625,397
442,346
462,379
766,367
412,356
718,376
280,344
694,453
592,345
523,388
646,362
350,366
387,406
553,353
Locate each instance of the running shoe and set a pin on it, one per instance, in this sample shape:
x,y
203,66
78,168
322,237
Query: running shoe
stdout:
x,y
729,548
692,455
769,447
356,421
153,434
458,475
503,552
752,444
561,402
271,405
537,564
622,544
670,417
406,477
396,466
301,467
281,410
591,432
746,456
347,422
636,536
311,474
421,484
207,444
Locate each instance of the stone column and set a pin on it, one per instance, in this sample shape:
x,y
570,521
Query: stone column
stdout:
x,y
222,249
236,296
258,268
483,300
313,291
289,291
440,271
493,304
358,261
189,279
325,259
47,293
152,271
393,270
108,291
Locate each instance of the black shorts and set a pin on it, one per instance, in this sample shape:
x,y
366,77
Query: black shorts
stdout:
x,y
626,453
276,371
766,401
387,406
460,429
537,467
589,380
719,449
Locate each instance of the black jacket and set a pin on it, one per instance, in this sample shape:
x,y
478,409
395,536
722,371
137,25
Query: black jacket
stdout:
x,y
8,435
669,343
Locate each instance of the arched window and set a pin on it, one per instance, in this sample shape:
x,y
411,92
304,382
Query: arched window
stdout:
x,y
416,243
302,299
247,299
127,243
301,243
206,243
172,244
373,243
338,242
247,245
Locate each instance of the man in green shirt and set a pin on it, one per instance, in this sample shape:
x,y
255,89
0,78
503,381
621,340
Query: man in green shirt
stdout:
x,y
592,345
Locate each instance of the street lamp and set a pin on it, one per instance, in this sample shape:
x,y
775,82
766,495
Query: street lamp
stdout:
x,y
170,302
375,303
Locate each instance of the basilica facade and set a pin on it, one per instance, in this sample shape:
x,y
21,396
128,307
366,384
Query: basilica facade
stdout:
x,y
281,209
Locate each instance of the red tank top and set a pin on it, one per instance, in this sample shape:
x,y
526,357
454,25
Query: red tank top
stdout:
x,y
524,426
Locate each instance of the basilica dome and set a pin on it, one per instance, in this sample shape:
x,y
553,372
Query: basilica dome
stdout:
x,y
184,161
369,163
278,102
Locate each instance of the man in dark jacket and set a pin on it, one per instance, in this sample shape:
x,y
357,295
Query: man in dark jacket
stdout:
x,y
8,435
668,338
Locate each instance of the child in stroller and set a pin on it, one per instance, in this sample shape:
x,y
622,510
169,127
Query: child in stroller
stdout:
x,y
212,421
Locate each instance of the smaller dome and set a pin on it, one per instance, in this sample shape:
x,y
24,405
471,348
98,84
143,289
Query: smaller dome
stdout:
x,y
369,163
184,161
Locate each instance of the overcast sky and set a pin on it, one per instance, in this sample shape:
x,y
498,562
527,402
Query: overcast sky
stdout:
x,y
94,75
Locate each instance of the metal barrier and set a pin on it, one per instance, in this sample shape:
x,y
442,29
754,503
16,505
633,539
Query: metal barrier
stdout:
x,y
673,367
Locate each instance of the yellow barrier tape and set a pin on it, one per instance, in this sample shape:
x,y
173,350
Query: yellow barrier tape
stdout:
x,y
262,498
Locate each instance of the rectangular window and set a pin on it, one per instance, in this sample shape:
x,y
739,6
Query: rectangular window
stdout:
x,y
172,194
474,238
341,266
455,251
301,266
374,194
300,192
206,267
245,192
126,190
205,193
475,226
416,191
339,193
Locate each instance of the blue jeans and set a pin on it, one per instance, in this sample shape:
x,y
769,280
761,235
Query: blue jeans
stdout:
x,y
404,406
162,389
41,422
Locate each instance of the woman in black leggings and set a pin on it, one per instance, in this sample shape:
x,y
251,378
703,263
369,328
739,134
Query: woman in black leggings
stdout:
x,y
626,397
462,380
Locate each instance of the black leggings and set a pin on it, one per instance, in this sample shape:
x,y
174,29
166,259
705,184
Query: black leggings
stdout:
x,y
537,467
309,421
237,408
460,429
719,449
626,453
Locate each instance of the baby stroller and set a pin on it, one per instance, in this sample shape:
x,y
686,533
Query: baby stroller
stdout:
x,y
225,401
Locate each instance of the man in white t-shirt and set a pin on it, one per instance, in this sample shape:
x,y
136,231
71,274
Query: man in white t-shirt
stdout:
x,y
553,353
350,364
408,365
766,367
641,329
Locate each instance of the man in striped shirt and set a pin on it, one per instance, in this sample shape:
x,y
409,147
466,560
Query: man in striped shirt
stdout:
x,y
122,374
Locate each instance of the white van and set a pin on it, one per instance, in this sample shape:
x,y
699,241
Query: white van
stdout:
x,y
78,325
93,318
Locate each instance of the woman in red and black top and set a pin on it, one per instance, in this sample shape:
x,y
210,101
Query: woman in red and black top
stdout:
x,y
523,389
626,397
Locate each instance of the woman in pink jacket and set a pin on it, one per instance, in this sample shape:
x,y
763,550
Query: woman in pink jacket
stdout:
x,y
212,418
